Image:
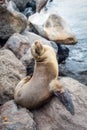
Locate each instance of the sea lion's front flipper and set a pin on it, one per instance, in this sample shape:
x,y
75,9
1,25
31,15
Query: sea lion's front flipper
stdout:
x,y
63,95
66,100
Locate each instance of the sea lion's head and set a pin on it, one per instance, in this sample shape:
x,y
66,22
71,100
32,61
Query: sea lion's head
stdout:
x,y
37,50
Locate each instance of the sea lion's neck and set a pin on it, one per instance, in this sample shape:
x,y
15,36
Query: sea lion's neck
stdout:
x,y
45,70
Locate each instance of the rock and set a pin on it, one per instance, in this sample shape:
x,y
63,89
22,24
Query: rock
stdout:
x,y
2,1
21,4
62,54
76,70
42,4
54,116
33,37
53,27
11,72
11,6
11,21
14,118
32,4
30,67
18,44
28,11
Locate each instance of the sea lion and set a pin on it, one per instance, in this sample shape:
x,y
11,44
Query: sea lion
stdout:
x,y
40,4
32,92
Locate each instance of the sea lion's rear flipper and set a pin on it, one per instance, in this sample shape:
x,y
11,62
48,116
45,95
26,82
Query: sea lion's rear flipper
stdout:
x,y
63,95
66,100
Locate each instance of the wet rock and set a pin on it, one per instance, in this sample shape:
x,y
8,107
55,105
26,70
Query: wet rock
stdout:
x,y
28,11
54,116
32,4
42,4
30,67
18,44
21,4
11,21
62,54
14,118
53,27
76,70
11,72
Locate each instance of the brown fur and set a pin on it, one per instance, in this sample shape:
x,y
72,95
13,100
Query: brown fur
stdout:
x,y
31,93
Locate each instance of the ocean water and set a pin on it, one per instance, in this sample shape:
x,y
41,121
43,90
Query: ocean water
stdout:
x,y
75,13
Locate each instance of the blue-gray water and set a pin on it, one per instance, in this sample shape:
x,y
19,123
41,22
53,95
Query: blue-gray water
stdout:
x,y
75,13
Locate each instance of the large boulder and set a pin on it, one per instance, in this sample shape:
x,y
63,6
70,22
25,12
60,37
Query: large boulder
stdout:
x,y
14,118
11,72
53,27
54,116
75,67
11,21
33,37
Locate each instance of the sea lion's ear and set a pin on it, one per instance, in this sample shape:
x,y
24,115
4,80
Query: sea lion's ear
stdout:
x,y
38,44
38,47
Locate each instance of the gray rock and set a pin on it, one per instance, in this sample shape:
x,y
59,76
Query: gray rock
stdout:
x,y
28,12
27,58
54,116
18,44
33,37
76,70
21,3
11,72
53,27
11,21
14,118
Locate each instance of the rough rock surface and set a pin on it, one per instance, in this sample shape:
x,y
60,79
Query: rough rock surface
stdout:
x,y
21,4
33,37
53,27
54,116
13,118
11,72
78,70
18,44
11,21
